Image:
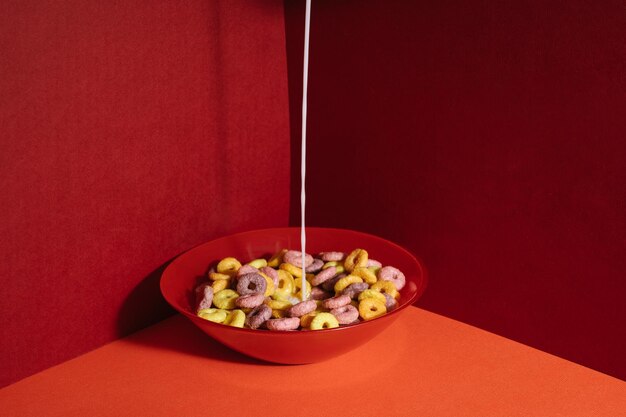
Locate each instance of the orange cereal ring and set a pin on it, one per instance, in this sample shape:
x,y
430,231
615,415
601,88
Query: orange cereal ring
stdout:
x,y
278,314
214,276
220,285
372,294
345,281
305,321
258,316
251,283
324,321
302,308
225,299
250,300
367,275
356,258
204,296
228,265
284,324
386,287
332,256
370,308
335,302
277,259
347,314
389,273
293,270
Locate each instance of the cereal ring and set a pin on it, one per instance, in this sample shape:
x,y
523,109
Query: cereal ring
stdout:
x,y
215,315
272,273
305,321
357,257
389,273
284,324
228,265
204,297
251,283
330,284
370,308
258,316
278,314
277,259
372,294
235,318
319,294
214,276
302,308
298,283
339,268
250,300
390,302
324,276
269,290
335,302
258,263
367,275
374,269
278,304
315,267
386,287
346,314
332,256
353,290
220,285
372,263
293,270
294,258
225,299
345,281
286,284
246,269
324,321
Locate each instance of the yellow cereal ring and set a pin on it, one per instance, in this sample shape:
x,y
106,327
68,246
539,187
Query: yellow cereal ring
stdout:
x,y
372,294
220,285
277,259
213,314
278,304
324,321
305,320
357,257
278,314
367,275
236,318
374,269
386,287
258,263
370,308
214,276
225,299
298,283
228,265
345,281
269,289
293,270
286,282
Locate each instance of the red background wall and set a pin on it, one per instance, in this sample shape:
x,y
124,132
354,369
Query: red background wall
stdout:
x,y
129,132
488,138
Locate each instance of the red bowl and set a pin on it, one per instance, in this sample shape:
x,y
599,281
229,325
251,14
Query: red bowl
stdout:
x,y
181,276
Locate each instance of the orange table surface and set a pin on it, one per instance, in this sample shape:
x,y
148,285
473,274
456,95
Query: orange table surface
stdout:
x,y
424,364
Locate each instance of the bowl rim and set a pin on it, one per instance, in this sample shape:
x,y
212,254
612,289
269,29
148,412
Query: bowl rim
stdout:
x,y
391,314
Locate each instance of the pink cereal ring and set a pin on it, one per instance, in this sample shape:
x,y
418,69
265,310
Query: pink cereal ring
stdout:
x,y
353,290
319,294
375,263
250,300
324,276
390,302
246,269
251,284
286,323
315,267
204,296
330,284
332,256
302,308
270,272
336,302
346,314
258,316
389,273
294,258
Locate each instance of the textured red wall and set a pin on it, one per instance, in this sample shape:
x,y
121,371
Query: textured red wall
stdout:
x,y
129,132
488,138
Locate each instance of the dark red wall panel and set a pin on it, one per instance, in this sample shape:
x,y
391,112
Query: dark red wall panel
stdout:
x,y
129,132
488,138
